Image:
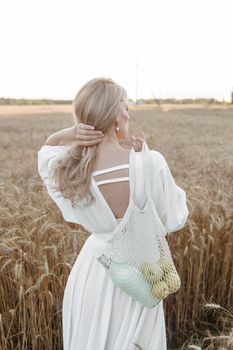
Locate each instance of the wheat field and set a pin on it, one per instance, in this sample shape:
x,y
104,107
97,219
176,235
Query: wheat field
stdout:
x,y
38,248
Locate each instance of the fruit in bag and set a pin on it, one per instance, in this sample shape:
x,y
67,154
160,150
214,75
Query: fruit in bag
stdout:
x,y
173,281
166,264
160,290
130,280
151,272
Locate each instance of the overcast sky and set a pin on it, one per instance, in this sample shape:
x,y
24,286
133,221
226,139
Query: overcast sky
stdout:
x,y
50,48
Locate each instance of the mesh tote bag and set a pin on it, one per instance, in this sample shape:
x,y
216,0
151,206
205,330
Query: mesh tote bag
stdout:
x,y
137,257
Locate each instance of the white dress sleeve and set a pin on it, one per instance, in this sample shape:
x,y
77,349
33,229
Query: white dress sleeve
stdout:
x,y
171,199
46,156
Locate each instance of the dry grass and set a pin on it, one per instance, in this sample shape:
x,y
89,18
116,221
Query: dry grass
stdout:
x,y
38,248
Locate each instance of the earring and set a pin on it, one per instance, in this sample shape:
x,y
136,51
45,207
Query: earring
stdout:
x,y
117,128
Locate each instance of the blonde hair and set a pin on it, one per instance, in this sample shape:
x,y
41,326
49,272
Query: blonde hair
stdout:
x,y
98,103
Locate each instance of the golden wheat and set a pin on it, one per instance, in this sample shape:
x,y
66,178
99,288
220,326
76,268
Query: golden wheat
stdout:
x,y
38,248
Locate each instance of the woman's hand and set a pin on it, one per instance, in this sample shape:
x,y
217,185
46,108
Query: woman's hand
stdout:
x,y
80,134
137,141
86,135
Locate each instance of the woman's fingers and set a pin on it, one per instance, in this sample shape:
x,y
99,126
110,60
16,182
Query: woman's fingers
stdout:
x,y
83,137
86,136
88,143
136,144
85,130
138,141
141,135
86,126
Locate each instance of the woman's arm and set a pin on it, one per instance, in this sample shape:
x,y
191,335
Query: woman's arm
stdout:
x,y
81,134
61,137
85,135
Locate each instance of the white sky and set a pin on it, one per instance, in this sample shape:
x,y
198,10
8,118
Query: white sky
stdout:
x,y
50,48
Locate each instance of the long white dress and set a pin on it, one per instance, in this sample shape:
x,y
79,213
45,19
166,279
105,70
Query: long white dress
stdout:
x,y
96,314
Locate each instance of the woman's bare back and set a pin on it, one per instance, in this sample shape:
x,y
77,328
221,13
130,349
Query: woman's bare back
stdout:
x,y
116,194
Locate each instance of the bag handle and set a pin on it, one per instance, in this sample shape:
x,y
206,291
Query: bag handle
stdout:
x,y
132,172
146,159
146,169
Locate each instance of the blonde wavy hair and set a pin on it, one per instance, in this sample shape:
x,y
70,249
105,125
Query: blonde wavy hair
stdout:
x,y
98,103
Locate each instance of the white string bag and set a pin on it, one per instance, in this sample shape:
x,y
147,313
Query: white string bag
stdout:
x,y
137,257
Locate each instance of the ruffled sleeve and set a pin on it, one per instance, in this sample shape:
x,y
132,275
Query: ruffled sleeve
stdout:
x,y
171,199
46,156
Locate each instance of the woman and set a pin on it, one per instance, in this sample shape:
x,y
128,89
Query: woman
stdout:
x,y
80,163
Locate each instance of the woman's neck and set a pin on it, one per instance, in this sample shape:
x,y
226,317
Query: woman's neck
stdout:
x,y
110,143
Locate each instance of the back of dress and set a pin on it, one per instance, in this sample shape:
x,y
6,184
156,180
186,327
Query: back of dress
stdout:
x,y
169,198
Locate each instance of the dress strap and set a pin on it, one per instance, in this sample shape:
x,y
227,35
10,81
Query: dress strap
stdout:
x,y
112,180
108,170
